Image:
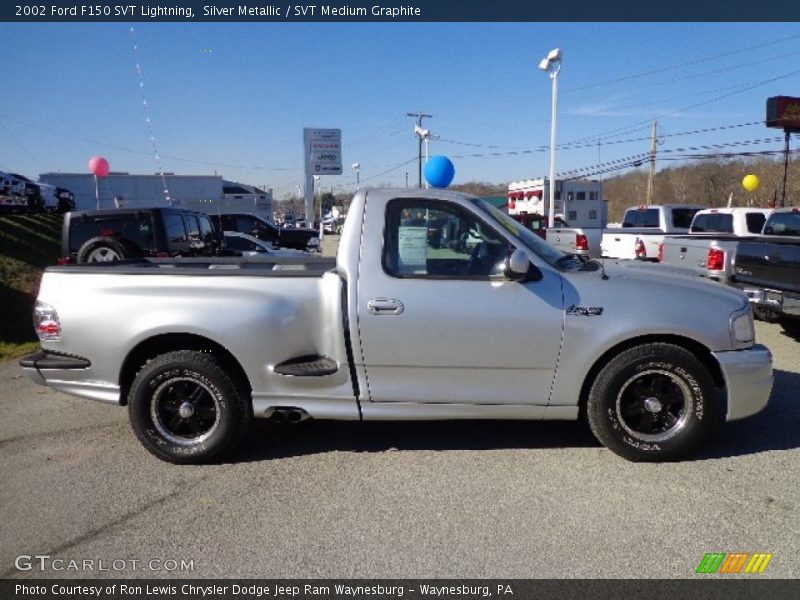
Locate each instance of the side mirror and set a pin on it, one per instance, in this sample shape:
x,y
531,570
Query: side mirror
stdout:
x,y
517,264
519,268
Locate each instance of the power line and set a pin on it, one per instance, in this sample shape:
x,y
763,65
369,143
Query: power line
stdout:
x,y
394,168
641,124
682,65
736,67
574,145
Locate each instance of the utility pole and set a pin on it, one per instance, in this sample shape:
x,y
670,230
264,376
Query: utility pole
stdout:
x,y
788,133
418,130
652,164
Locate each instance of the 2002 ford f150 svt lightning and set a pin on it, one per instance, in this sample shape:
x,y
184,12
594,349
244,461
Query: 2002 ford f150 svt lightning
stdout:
x,y
506,328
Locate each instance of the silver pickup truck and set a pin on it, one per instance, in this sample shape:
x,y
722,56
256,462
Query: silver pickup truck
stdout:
x,y
715,234
402,328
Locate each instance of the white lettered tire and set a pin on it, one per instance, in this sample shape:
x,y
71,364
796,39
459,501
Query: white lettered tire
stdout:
x,y
185,408
654,402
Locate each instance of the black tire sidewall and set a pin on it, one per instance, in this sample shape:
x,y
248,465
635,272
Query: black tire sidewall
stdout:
x,y
231,415
676,361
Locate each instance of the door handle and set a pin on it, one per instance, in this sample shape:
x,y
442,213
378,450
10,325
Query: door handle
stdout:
x,y
385,306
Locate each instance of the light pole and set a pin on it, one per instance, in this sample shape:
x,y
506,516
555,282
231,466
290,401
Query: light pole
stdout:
x,y
552,64
319,193
357,169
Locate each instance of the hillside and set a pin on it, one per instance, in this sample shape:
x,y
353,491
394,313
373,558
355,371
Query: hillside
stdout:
x,y
28,243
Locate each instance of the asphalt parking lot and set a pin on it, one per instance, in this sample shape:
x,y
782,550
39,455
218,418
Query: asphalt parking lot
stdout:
x,y
326,499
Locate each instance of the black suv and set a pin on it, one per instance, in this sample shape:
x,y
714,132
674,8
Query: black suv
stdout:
x,y
117,234
299,239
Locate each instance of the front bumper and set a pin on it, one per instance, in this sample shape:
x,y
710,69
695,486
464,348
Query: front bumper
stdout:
x,y
748,379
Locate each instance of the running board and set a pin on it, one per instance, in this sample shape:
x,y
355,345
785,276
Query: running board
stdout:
x,y
307,366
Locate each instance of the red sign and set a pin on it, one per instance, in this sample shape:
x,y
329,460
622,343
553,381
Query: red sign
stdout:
x,y
783,112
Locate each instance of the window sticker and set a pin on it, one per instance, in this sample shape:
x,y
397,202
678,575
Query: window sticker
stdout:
x,y
412,243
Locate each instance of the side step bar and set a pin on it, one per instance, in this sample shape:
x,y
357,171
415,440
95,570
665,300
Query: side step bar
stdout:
x,y
307,366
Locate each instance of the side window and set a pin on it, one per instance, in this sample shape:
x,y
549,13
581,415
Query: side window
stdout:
x,y
755,222
440,240
206,230
246,224
682,217
192,227
173,224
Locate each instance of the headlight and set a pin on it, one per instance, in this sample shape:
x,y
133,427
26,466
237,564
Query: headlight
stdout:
x,y
742,329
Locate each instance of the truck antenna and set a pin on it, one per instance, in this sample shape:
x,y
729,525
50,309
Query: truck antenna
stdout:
x,y
603,275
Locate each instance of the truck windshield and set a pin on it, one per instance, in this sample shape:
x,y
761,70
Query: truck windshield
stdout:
x,y
526,236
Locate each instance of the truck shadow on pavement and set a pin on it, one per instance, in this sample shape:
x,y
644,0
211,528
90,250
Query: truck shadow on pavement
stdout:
x,y
774,429
270,441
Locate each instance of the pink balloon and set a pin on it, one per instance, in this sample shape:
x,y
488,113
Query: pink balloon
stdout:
x,y
98,166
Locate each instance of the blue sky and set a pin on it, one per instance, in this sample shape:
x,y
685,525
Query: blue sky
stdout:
x,y
233,98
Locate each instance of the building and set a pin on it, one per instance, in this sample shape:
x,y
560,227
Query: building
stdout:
x,y
580,202
206,193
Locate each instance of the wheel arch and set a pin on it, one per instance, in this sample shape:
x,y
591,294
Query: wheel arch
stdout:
x,y
169,342
702,353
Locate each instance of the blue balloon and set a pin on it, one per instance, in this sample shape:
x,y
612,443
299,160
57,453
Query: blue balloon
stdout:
x,y
439,171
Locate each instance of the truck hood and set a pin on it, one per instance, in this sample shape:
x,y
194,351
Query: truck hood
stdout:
x,y
641,299
657,278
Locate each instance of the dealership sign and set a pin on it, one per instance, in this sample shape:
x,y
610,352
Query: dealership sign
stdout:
x,y
783,112
323,151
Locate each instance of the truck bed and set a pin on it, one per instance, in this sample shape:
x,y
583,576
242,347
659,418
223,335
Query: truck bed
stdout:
x,y
311,266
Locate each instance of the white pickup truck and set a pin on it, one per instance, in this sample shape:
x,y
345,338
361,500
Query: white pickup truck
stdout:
x,y
583,241
710,247
644,229
401,326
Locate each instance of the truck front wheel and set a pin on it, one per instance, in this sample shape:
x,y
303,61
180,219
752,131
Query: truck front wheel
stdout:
x,y
184,408
653,402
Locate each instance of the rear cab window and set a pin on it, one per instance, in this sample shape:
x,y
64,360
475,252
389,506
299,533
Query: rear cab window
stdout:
x,y
712,223
641,217
783,224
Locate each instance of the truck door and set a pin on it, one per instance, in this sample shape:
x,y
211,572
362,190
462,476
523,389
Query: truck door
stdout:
x,y
439,322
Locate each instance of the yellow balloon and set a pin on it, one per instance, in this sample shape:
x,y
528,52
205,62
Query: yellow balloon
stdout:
x,y
750,182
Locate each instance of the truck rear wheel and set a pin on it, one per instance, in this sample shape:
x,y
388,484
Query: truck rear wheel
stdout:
x,y
184,408
653,402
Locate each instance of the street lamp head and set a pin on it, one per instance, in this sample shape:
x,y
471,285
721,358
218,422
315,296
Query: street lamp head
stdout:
x,y
554,56
356,165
